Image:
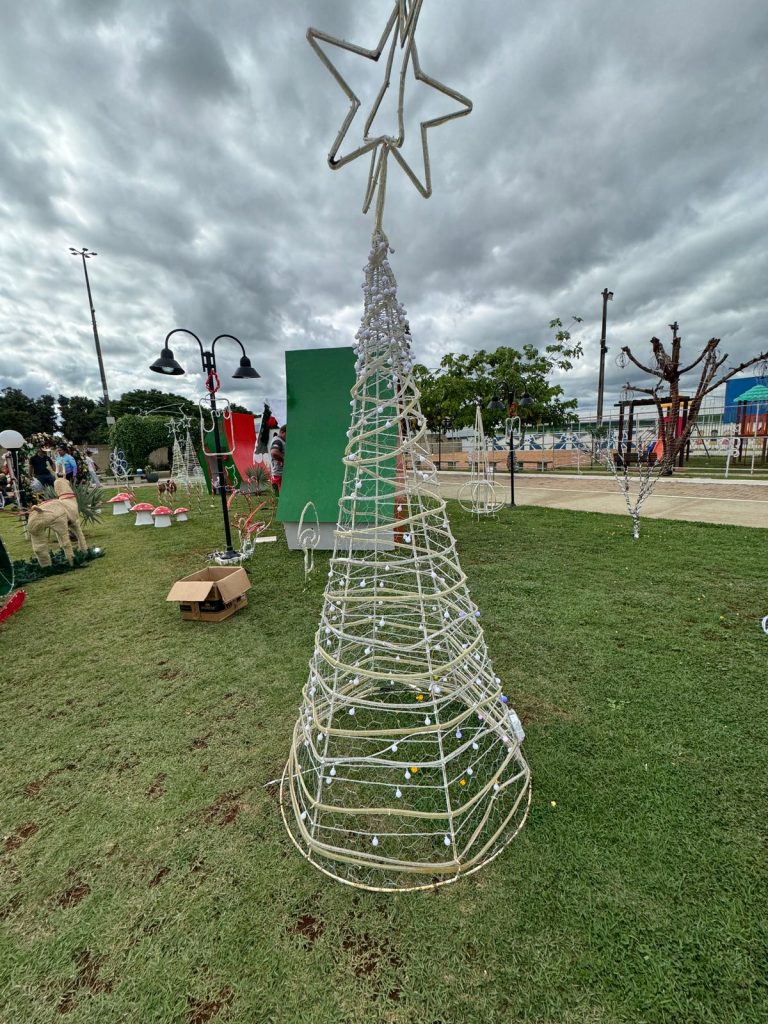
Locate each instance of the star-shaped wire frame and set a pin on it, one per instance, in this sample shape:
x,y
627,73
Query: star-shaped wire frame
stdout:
x,y
401,26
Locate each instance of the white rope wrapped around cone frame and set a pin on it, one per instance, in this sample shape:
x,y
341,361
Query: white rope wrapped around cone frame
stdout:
x,y
479,495
405,769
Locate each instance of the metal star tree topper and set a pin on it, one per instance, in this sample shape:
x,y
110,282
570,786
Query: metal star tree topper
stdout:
x,y
406,769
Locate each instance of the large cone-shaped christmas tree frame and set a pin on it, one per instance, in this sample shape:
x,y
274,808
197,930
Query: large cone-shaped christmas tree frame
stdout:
x,y
405,769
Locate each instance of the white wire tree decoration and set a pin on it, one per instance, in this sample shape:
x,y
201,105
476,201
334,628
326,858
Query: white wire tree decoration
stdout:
x,y
405,769
635,472
177,458
479,494
185,467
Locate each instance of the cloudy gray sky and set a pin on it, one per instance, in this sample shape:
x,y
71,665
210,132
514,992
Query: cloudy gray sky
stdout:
x,y
621,146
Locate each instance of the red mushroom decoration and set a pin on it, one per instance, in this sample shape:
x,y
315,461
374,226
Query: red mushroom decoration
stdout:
x,y
121,503
181,515
162,516
143,513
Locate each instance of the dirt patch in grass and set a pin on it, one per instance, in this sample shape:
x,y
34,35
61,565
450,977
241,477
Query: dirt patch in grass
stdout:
x,y
87,977
224,809
309,928
33,789
370,955
20,835
158,786
200,742
536,709
72,896
161,874
170,673
202,1010
273,788
10,907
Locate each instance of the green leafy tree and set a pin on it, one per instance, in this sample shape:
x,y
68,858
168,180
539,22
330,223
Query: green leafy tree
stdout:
x,y
461,380
45,410
154,402
27,415
138,436
83,420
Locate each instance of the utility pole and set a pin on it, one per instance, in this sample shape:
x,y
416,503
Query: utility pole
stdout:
x,y
603,349
86,254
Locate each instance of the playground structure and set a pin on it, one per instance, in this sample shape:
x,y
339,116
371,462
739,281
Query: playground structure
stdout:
x,y
632,447
750,441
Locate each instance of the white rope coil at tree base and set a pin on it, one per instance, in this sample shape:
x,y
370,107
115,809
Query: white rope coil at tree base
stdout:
x,y
405,769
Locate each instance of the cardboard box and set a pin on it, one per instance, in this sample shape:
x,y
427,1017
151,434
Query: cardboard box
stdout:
x,y
211,594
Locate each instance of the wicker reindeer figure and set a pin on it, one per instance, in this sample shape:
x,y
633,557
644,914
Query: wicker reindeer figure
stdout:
x,y
68,499
49,515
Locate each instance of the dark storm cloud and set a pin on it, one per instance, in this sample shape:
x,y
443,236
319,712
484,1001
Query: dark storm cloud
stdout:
x,y
186,142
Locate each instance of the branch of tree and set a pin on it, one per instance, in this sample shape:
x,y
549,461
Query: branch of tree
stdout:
x,y
646,369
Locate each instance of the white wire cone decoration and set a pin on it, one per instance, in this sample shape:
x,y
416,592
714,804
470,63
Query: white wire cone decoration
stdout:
x,y
479,495
405,769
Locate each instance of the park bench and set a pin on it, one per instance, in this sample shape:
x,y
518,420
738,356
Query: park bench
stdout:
x,y
533,460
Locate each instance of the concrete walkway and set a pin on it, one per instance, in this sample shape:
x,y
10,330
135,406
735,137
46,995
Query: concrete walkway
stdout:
x,y
742,503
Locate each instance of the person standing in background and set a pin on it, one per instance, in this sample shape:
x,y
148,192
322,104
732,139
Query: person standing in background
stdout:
x,y
66,464
277,454
42,468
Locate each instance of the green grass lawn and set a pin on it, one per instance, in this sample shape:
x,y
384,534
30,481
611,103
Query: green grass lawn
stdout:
x,y
145,874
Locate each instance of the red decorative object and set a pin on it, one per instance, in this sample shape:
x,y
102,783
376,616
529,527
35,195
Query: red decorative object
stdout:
x,y
12,605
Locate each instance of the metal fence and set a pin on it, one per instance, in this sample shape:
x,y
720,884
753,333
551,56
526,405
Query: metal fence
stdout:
x,y
727,441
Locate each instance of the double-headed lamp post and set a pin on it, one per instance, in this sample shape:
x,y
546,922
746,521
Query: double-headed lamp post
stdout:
x,y
167,365
498,404
443,426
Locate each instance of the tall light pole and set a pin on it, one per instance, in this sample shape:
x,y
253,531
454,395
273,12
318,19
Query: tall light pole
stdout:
x,y
86,254
603,349
170,367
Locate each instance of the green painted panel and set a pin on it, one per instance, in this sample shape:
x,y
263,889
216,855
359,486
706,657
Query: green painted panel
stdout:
x,y
318,384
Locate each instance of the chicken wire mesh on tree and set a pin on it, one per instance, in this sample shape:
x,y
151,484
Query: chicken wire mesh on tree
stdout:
x,y
405,769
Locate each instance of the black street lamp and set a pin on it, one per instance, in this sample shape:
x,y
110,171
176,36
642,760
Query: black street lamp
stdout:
x,y
443,426
497,405
603,349
167,365
86,254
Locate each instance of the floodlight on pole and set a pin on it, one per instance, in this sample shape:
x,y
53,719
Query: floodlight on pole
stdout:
x,y
86,254
607,296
